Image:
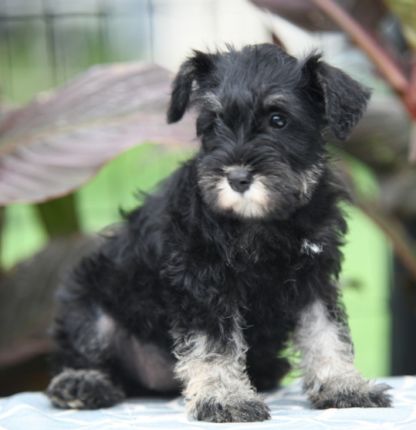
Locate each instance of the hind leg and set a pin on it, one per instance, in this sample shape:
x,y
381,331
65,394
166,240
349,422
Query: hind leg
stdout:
x,y
85,359
83,389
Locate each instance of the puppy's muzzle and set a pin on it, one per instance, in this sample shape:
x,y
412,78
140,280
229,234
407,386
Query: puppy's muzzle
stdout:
x,y
240,180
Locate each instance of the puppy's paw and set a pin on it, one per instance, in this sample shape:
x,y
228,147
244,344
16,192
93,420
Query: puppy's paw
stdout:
x,y
363,396
240,410
83,389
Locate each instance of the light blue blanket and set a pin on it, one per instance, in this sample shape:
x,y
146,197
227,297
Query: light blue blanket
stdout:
x,y
290,410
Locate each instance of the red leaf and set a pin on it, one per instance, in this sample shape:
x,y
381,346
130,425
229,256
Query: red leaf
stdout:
x,y
58,142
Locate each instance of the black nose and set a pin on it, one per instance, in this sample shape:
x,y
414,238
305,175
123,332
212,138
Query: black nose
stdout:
x,y
240,180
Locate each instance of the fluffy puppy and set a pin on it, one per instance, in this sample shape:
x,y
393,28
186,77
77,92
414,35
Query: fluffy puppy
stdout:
x,y
236,255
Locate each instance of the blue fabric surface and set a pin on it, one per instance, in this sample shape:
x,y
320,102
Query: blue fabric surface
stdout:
x,y
290,410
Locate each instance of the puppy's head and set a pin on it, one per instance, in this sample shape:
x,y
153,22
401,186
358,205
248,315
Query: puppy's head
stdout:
x,y
261,119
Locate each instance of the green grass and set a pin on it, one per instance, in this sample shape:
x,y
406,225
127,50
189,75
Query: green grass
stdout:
x,y
365,271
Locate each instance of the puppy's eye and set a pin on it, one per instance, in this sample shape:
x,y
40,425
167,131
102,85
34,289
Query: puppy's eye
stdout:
x,y
278,121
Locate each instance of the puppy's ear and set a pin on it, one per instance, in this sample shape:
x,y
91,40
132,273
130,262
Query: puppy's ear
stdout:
x,y
345,99
196,68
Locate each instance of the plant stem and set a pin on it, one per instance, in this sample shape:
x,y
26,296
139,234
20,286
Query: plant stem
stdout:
x,y
2,215
403,245
385,64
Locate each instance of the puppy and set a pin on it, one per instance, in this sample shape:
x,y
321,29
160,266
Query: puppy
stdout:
x,y
237,255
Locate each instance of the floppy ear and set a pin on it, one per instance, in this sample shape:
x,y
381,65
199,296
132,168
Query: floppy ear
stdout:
x,y
345,99
196,68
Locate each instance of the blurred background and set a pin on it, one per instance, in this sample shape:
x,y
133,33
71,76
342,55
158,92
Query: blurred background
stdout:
x,y
46,135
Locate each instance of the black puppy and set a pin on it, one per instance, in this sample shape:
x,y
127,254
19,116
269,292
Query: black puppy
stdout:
x,y
237,254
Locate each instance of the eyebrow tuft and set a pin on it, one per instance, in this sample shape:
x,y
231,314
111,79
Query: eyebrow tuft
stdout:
x,y
275,100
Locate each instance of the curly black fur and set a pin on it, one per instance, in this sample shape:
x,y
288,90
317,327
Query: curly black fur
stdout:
x,y
206,279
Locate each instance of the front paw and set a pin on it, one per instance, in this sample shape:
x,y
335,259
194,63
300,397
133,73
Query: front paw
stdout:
x,y
364,395
233,410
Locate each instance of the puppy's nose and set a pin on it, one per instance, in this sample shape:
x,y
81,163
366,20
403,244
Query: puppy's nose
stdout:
x,y
240,180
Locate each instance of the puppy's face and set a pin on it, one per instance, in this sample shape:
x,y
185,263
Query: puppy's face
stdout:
x,y
261,117
261,137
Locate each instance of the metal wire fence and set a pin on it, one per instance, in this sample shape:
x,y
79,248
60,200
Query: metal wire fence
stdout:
x,y
43,43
